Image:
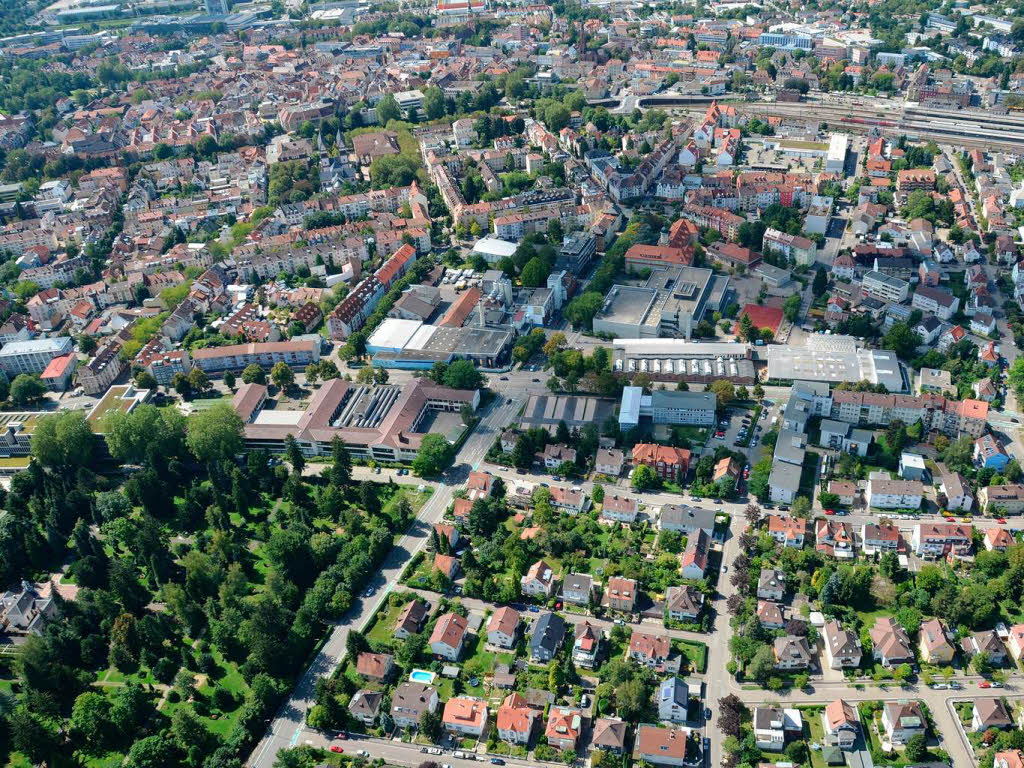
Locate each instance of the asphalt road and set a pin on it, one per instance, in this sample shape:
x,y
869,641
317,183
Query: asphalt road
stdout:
x,y
286,729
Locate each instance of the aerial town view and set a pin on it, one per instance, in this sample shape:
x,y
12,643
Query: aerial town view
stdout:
x,y
433,383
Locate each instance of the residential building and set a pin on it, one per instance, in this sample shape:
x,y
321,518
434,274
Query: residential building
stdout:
x,y
503,627
839,722
619,508
880,537
903,720
941,539
989,453
988,642
884,493
668,463
842,647
998,540
465,716
564,726
792,652
577,588
661,746
773,725
989,713
586,646
683,603
935,301
609,462
364,706
409,701
795,247
771,585
516,720
650,650
620,594
934,644
957,492
890,643
834,538
375,666
694,561
32,355
1015,642
539,580
769,614
884,287
546,637
673,700
449,636
411,619
609,735
1001,499
788,531
686,520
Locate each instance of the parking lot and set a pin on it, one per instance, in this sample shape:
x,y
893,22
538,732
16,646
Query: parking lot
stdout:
x,y
737,422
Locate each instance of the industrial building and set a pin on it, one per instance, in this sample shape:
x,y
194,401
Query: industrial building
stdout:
x,y
415,345
834,359
546,411
671,303
680,360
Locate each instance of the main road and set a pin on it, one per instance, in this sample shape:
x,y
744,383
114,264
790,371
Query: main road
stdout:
x,y
286,727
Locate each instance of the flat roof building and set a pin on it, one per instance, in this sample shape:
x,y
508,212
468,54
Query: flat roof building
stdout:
x,y
835,359
545,411
838,145
664,407
32,355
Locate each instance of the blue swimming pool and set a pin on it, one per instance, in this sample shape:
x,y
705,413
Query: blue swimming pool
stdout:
x,y
422,676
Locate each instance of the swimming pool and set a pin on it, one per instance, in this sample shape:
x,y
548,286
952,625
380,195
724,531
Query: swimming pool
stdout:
x,y
422,676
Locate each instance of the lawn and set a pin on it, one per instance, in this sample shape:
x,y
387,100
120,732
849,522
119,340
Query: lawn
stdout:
x,y
696,652
383,627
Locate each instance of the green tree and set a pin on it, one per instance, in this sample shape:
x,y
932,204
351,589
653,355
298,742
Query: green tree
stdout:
x,y
129,435
747,331
791,308
433,103
917,748
387,109
901,340
757,484
430,725
535,273
762,665
644,478
434,455
462,374
215,434
63,440
282,375
820,284
254,374
724,391
90,721
25,388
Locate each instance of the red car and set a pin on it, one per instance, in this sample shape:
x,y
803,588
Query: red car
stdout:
x,y
830,511
1001,520
985,684
336,749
